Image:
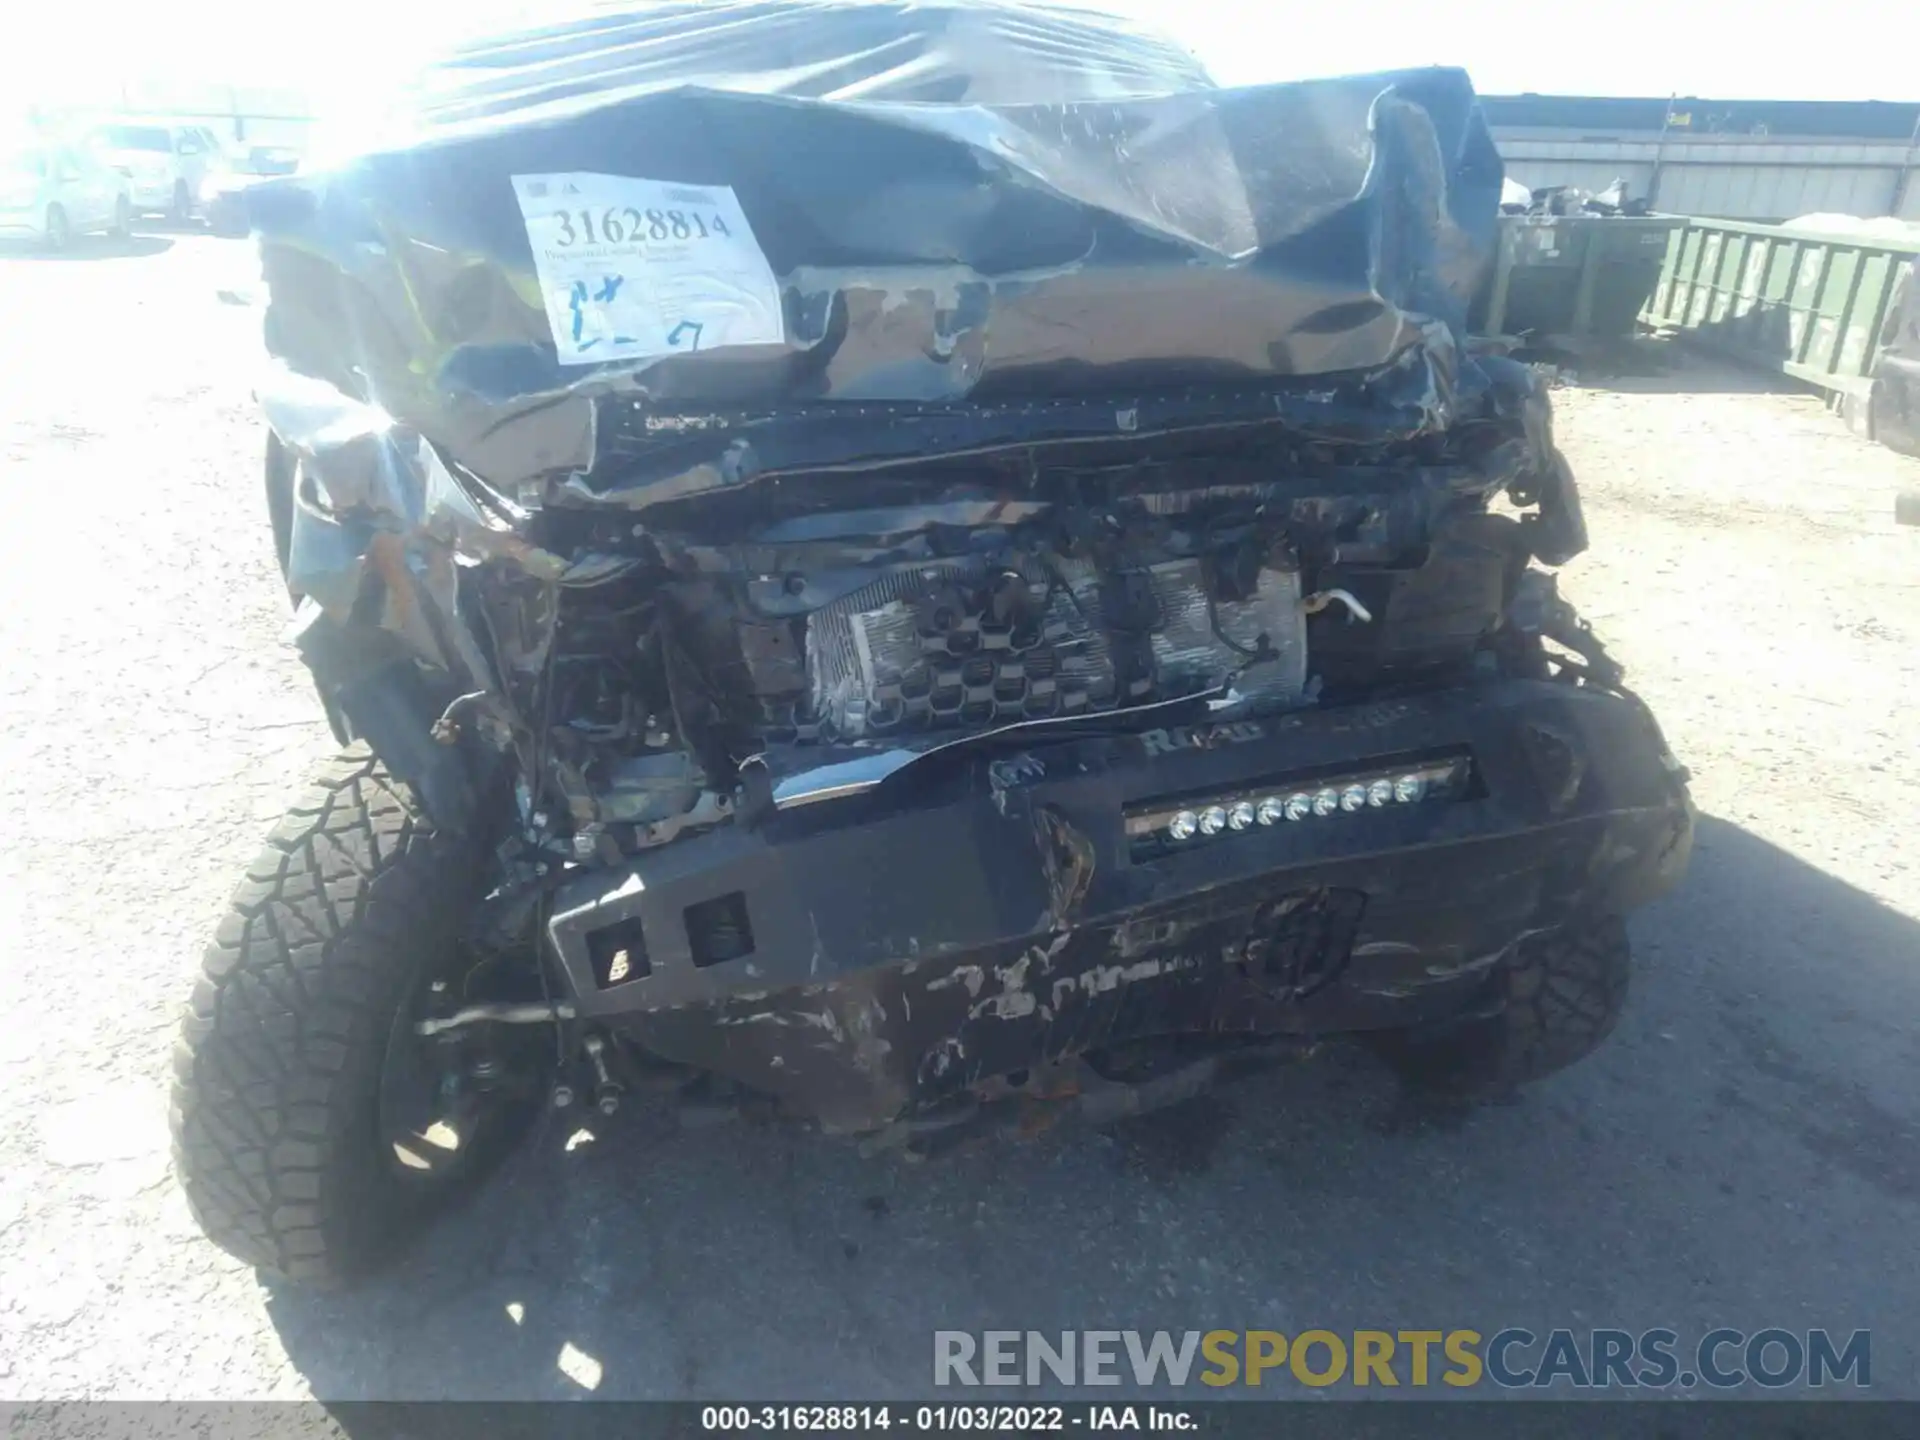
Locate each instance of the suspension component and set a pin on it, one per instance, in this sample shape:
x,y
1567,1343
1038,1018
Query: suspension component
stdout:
x,y
536,1013
606,1090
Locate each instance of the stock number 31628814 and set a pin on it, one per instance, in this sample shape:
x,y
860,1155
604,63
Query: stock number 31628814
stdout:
x,y
619,224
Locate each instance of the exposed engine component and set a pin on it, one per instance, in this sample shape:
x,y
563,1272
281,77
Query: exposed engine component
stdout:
x,y
647,788
949,649
1191,577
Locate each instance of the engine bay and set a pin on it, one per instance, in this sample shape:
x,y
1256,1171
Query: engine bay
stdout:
x,y
814,616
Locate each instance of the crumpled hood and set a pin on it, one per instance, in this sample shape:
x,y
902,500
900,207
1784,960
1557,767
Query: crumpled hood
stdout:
x,y
602,253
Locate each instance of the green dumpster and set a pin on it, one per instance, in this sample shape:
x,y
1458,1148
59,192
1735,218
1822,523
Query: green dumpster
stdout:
x,y
1808,303
1576,275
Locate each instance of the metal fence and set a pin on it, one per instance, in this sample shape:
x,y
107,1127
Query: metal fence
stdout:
x,y
1806,303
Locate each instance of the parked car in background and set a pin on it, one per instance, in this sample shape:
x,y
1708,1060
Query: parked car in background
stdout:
x,y
52,191
223,190
164,164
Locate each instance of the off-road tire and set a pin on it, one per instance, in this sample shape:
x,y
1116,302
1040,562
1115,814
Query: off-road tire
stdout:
x,y
275,1113
180,207
1560,995
122,227
59,228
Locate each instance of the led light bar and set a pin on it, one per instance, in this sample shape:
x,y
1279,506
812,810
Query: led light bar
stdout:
x,y
1164,825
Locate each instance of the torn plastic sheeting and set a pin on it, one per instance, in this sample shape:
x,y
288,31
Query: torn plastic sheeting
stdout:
x,y
983,52
925,254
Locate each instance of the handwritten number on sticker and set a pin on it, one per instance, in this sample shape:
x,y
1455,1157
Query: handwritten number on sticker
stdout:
x,y
577,302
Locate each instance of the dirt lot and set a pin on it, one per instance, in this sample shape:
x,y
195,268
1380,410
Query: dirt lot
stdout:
x,y
1746,1152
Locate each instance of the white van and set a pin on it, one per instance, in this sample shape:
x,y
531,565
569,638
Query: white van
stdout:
x,y
163,164
51,191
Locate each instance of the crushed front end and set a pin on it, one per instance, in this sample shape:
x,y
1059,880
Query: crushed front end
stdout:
x,y
882,954
1062,594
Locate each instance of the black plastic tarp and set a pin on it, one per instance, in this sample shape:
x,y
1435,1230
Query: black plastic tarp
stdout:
x,y
775,210
902,50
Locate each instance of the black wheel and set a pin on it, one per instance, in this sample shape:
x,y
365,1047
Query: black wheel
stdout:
x,y
1559,997
59,228
314,1129
182,208
122,218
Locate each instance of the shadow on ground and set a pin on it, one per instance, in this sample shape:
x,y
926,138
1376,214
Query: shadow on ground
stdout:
x,y
1737,1155
86,248
1653,365
1690,374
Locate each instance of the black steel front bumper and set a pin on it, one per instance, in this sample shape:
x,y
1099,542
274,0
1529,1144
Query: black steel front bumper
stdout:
x,y
986,911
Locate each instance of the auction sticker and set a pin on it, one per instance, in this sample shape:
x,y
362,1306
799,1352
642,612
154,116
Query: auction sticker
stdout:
x,y
633,269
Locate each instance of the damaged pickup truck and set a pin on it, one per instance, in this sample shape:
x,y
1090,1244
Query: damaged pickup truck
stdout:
x,y
898,565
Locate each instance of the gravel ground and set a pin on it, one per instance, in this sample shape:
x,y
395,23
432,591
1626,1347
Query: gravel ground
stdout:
x,y
1746,1151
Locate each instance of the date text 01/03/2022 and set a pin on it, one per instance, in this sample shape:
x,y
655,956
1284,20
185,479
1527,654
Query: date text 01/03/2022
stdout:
x,y
633,269
935,1419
